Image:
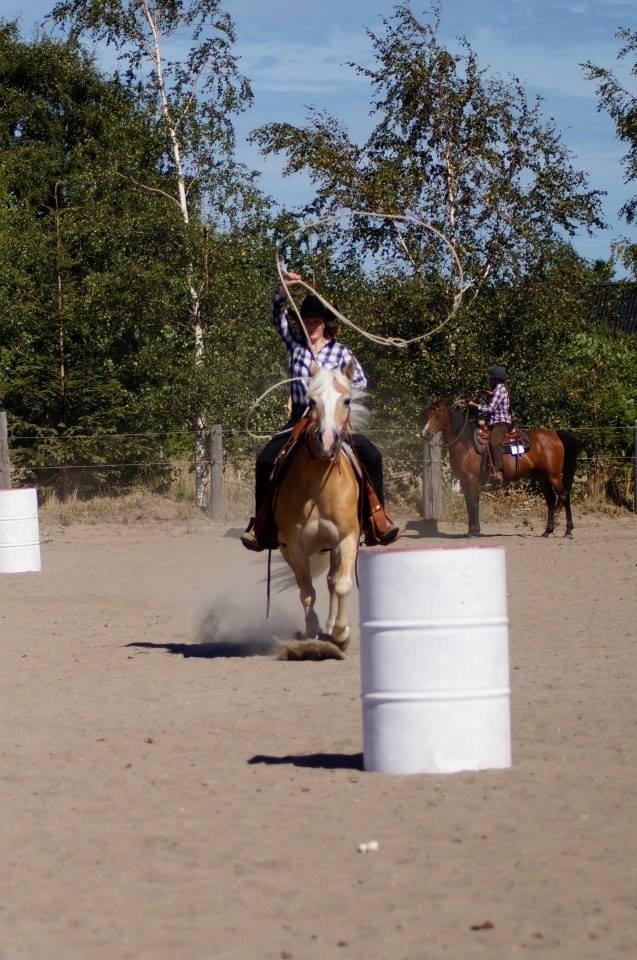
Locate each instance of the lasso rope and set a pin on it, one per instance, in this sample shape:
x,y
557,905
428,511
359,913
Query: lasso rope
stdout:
x,y
255,404
399,342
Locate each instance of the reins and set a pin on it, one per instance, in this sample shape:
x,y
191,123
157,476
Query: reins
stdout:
x,y
455,439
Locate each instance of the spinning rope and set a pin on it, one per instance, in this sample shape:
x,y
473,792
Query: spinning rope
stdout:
x,y
398,342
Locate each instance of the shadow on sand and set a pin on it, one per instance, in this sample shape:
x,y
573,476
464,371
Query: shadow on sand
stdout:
x,y
316,761
211,650
428,529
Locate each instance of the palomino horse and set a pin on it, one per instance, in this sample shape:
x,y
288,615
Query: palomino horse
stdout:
x,y
551,459
316,508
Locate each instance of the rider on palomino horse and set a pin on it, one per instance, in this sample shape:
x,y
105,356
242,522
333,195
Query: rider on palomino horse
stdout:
x,y
498,410
330,354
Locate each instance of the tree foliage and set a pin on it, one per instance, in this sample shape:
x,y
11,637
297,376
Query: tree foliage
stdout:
x,y
192,98
621,104
96,338
459,148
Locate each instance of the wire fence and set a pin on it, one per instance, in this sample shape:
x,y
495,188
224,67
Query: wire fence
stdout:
x,y
91,464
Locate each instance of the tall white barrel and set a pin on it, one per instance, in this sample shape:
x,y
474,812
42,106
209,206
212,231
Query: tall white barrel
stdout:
x,y
19,531
434,660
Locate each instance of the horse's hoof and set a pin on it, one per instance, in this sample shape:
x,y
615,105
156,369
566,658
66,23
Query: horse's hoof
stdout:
x,y
569,534
472,534
548,533
339,640
317,649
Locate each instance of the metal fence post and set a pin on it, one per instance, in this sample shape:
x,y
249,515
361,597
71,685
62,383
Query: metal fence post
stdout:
x,y
216,472
432,479
5,460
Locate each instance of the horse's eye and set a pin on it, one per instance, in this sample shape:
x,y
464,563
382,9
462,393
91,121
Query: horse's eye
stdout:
x,y
347,401
311,403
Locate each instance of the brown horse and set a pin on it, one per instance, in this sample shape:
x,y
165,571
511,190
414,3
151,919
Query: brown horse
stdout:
x,y
316,508
551,459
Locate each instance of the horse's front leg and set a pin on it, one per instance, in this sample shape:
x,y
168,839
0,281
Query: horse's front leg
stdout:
x,y
339,580
300,564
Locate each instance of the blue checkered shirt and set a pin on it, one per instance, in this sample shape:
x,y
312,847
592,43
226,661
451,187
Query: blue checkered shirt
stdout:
x,y
333,356
498,408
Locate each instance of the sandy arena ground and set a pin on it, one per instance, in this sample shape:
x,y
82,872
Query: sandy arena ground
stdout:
x,y
188,802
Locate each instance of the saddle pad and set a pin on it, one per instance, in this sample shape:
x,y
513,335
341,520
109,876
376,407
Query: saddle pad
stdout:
x,y
516,442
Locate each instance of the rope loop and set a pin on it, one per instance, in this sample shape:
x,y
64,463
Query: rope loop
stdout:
x,y
398,342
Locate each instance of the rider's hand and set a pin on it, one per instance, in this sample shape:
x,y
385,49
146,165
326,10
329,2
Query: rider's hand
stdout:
x,y
291,277
471,403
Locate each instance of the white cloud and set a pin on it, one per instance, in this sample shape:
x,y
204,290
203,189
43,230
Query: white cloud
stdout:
x,y
277,66
544,67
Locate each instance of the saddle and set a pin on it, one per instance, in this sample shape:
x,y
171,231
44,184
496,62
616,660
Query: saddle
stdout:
x,y
516,442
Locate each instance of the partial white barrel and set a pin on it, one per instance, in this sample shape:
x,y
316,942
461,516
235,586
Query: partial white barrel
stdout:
x,y
19,531
434,660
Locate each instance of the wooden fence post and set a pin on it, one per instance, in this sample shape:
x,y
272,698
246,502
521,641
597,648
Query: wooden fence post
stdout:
x,y
5,460
216,472
432,481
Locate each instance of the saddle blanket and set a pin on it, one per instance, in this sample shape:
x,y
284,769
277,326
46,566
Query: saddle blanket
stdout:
x,y
516,442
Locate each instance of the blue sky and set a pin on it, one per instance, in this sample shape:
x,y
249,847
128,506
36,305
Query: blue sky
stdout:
x,y
295,53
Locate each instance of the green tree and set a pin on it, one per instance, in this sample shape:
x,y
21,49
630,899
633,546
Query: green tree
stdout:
x,y
621,104
193,101
465,151
87,291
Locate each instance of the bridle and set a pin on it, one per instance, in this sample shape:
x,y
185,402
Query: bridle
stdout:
x,y
313,433
311,441
446,446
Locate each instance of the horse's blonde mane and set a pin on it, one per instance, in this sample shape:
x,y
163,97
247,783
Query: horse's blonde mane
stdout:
x,y
322,381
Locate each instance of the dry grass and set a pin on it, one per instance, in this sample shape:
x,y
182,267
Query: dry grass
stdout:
x,y
140,506
602,489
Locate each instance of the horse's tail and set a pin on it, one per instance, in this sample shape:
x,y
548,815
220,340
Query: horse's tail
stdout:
x,y
570,458
284,578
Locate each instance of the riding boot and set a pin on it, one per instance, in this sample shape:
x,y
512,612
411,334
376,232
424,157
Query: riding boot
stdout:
x,y
380,529
249,537
261,532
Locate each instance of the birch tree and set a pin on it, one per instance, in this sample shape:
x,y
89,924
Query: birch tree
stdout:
x,y
195,93
466,151
620,101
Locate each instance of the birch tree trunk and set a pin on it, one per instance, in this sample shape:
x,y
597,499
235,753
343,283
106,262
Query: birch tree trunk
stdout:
x,y
201,457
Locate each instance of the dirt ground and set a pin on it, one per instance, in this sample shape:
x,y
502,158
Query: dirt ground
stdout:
x,y
166,796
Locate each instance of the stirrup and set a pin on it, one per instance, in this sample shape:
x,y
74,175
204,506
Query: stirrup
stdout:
x,y
249,539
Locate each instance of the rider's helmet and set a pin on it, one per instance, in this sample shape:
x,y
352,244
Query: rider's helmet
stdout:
x,y
497,373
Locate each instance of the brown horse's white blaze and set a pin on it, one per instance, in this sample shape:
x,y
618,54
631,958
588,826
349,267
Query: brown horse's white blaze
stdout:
x,y
317,504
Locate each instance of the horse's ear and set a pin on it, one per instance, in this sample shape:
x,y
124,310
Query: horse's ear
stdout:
x,y
349,369
314,368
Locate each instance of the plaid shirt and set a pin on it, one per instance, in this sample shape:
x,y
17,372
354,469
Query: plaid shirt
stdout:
x,y
333,356
499,406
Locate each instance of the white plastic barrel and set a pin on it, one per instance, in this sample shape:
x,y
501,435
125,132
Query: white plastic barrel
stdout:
x,y
19,531
434,660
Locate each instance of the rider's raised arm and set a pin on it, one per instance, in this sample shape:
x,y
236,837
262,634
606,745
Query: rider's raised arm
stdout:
x,y
281,318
